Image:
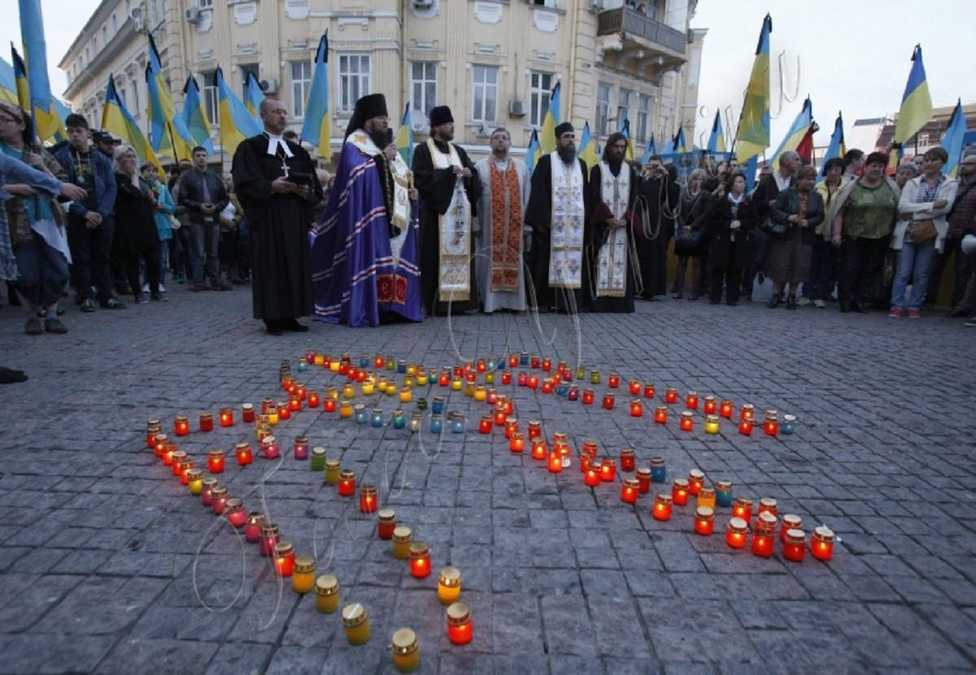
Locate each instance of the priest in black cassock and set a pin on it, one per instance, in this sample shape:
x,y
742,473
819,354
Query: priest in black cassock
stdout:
x,y
613,248
662,195
276,184
449,189
559,204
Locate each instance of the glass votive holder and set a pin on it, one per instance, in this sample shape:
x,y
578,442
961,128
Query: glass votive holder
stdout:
x,y
737,533
723,493
405,650
704,521
327,593
659,472
661,510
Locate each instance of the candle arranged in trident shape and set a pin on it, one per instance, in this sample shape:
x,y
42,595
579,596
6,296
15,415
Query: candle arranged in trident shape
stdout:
x,y
215,461
459,627
226,417
679,491
355,621
367,498
608,470
629,489
419,560
822,543
449,585
737,533
628,460
704,521
763,537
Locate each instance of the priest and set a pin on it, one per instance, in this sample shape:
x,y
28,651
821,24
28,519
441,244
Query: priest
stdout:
x,y
558,206
613,189
364,253
449,190
276,184
500,227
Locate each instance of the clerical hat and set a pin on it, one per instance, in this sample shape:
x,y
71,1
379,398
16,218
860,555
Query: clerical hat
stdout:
x,y
368,107
563,128
439,115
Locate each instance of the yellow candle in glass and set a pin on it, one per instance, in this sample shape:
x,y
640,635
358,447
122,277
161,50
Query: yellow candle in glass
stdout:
x,y
421,379
456,384
348,391
303,577
367,388
194,479
711,424
356,622
489,378
402,538
327,594
273,415
706,497
332,468
449,585
345,410
334,366
480,394
406,651
406,395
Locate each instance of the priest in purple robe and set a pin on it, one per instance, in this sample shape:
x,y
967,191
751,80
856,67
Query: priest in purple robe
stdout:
x,y
364,253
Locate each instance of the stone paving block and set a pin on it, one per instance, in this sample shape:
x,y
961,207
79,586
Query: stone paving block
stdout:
x,y
158,656
28,652
239,659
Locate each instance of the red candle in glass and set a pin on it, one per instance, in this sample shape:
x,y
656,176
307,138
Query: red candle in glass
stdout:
x,y
236,515
269,448
152,429
535,429
555,463
539,449
294,404
385,523
691,400
649,391
704,521
794,546
480,366
444,378
535,362
511,427
269,539
737,533
725,409
206,494
313,399
771,426
459,626
367,499
500,418
485,425
533,382
696,479
592,476
628,460
329,405
266,405
471,377
636,408
181,426
608,470
215,461
547,365
662,507
745,427
709,406
378,362
548,386
244,454
789,522
419,561
585,462
573,394
747,412
347,483
742,508
517,444
247,413
284,413
284,559
300,448
687,421
218,499
509,407
822,543
613,380
185,472
679,491
768,505
763,537
670,395
661,415
226,417
608,401
252,529
644,480
523,379
176,458
159,445
513,360
206,421
629,489
507,377
634,386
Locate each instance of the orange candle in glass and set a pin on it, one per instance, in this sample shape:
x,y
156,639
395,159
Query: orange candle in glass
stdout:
x,y
629,489
794,545
643,476
696,478
687,421
511,427
592,476
661,415
628,460
636,408
704,521
226,417
181,426
634,387
215,461
822,543
737,533
725,409
649,391
608,470
555,462
367,498
588,397
517,444
539,449
419,560
460,629
662,507
535,429
709,406
679,491
206,421
347,483
742,508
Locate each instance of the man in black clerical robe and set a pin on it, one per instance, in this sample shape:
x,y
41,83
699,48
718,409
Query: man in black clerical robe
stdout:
x,y
565,289
276,184
614,184
446,267
662,200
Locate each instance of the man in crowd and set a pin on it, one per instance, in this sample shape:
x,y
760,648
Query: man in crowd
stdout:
x,y
276,184
500,230
557,215
364,254
106,143
90,222
449,191
203,195
662,200
960,219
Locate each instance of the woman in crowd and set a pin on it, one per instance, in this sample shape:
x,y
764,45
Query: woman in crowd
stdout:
x,y
823,259
37,228
729,220
925,201
794,216
163,217
135,227
689,244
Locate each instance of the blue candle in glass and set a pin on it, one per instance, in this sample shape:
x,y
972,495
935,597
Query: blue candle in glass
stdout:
x,y
302,365
524,359
362,416
399,419
437,405
723,493
457,424
659,472
436,424
377,421
789,424
491,364
364,362
562,390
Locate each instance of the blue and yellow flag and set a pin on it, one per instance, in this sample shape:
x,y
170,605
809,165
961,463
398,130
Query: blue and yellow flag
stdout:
x,y
317,129
118,120
649,151
588,151
236,123
799,129
21,83
193,117
625,130
547,137
404,137
8,83
532,152
168,136
952,140
836,147
752,136
679,144
716,140
253,95
47,122
916,103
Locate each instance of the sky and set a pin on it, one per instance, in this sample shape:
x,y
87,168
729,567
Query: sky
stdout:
x,y
853,54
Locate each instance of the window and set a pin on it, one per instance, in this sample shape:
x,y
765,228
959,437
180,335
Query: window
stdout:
x,y
354,80
643,117
485,80
602,109
545,3
210,96
115,22
301,84
540,89
623,107
205,4
423,79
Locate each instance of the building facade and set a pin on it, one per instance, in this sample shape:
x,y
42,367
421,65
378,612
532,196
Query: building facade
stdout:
x,y
494,62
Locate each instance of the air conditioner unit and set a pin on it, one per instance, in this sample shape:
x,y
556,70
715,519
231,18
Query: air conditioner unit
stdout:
x,y
192,15
269,86
515,108
423,4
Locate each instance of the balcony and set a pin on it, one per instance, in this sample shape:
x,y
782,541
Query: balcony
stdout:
x,y
640,38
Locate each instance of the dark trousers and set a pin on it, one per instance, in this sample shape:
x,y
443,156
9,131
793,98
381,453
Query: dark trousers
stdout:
x,y
951,249
204,248
181,252
729,275
698,266
759,244
148,254
43,272
91,250
823,272
863,260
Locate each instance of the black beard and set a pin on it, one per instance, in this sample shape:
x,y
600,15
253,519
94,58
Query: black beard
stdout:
x,y
378,137
615,164
567,153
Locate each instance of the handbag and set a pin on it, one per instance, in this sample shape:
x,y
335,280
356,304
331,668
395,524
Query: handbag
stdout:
x,y
688,242
922,231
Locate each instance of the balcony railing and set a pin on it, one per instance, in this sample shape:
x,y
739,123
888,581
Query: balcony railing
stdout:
x,y
635,24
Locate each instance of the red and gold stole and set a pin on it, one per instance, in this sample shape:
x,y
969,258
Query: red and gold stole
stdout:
x,y
506,228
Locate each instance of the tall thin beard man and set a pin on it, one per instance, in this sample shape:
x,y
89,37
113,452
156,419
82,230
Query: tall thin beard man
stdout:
x,y
567,153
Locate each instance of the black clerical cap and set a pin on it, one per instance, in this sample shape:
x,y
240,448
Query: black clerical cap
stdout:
x,y
368,107
439,115
563,128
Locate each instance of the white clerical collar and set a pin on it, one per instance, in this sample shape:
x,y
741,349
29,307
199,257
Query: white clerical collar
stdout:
x,y
275,142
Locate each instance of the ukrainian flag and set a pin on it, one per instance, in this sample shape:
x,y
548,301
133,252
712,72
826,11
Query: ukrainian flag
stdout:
x,y
916,103
752,136
47,122
21,83
547,139
625,130
588,148
236,123
317,129
8,83
117,119
168,135
716,140
836,148
649,151
796,133
404,137
680,145
532,152
253,96
193,117
952,140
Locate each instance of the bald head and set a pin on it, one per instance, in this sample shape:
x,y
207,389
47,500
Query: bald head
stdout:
x,y
274,114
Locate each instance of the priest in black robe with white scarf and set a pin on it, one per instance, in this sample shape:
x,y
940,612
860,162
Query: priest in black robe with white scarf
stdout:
x,y
559,204
276,184
449,189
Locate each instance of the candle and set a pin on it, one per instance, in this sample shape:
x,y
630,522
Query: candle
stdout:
x,y
535,429
368,388
317,462
399,419
402,538
745,427
159,443
284,559
346,410
613,380
589,448
185,468
294,404
247,413
789,424
300,448
332,469
484,426
691,400
153,427
822,543
687,421
266,405
595,377
269,538
206,492
360,413
355,621
226,417
662,506
194,481
449,585
456,384
269,448
457,422
643,480
636,408
580,373
422,379
661,415
252,529
273,414
176,458
436,424
573,394
679,491
218,499
385,523
517,444
215,461
367,499
547,365
533,382
181,426
507,377
313,399
704,521
629,489
406,395
347,483
711,424
236,515
608,401
329,405
706,497
723,493
649,391
588,397
444,379
511,427
513,360
762,536
608,470
592,476
696,479
555,462
634,387
771,424
794,545
284,412
415,421
725,409
536,362
790,521
627,459
405,651
742,508
327,593
548,385
206,421
348,392
736,533
419,561
747,412
670,395
480,394
659,471
768,505
437,405
459,627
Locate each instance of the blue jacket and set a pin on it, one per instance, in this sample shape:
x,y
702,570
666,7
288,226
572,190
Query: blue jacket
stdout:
x,y
105,186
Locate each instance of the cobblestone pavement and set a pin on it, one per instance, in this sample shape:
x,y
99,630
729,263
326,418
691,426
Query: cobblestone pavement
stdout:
x,y
109,565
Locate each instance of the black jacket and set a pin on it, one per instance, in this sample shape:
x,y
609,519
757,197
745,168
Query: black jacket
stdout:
x,y
191,194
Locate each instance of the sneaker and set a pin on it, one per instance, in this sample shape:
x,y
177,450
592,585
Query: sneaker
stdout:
x,y
162,289
34,326
55,326
88,305
142,299
895,313
145,287
970,322
819,304
914,314
803,302
113,303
